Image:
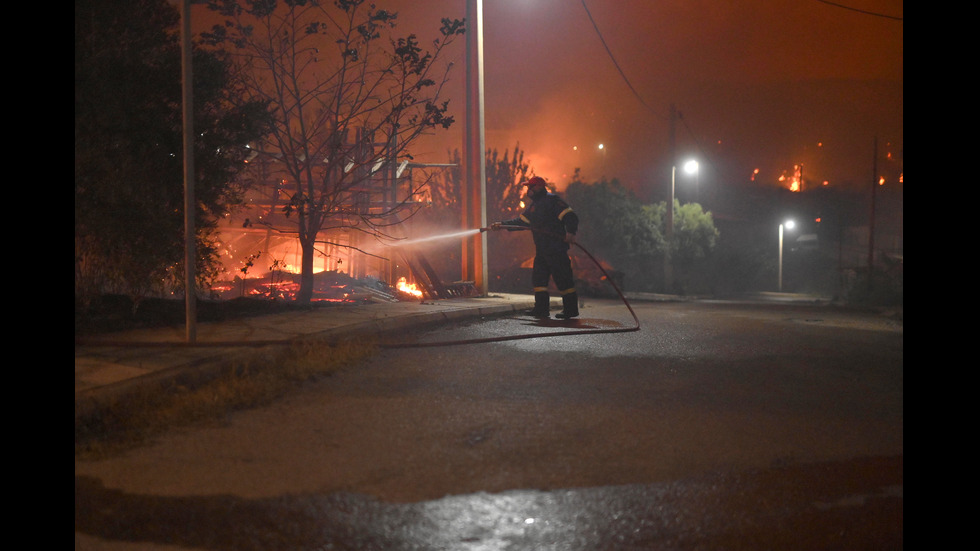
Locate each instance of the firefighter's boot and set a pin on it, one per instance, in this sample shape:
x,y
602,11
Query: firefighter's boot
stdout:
x,y
569,304
542,305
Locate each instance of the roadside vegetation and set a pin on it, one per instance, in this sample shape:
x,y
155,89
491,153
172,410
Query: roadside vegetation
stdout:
x,y
137,418
129,142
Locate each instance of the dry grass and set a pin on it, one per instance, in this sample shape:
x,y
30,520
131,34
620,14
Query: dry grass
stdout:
x,y
137,418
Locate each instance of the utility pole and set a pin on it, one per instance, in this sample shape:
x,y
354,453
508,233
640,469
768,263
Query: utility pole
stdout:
x,y
871,217
672,139
190,243
475,188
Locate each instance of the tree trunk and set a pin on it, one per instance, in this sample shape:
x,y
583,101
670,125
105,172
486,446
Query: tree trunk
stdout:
x,y
305,294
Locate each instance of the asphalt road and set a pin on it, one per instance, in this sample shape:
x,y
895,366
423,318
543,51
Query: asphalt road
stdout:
x,y
714,426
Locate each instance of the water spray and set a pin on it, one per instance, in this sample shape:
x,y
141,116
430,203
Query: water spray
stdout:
x,y
452,235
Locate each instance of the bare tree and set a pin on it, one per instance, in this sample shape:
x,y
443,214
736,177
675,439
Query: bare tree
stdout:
x,y
339,83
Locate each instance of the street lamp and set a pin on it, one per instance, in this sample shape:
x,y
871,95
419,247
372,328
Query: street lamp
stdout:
x,y
691,167
474,197
789,224
668,267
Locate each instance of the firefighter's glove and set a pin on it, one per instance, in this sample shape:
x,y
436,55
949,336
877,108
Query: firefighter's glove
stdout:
x,y
495,226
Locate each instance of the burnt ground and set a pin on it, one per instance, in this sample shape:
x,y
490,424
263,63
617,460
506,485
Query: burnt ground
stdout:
x,y
269,294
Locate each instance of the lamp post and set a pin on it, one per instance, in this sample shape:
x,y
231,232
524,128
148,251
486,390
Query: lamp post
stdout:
x,y
789,224
475,190
668,266
691,167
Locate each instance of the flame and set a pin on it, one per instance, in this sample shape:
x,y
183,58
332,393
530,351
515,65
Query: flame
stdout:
x,y
409,288
795,181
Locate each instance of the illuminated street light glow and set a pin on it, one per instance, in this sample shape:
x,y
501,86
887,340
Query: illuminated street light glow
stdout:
x,y
691,167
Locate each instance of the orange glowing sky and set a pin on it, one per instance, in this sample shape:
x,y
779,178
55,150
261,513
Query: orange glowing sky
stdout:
x,y
760,84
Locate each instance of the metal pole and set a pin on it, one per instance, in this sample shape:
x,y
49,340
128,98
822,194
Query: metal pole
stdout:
x,y
668,266
780,258
475,192
697,185
190,246
668,253
871,218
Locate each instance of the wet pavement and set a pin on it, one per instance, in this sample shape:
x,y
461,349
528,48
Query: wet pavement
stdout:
x,y
791,508
841,501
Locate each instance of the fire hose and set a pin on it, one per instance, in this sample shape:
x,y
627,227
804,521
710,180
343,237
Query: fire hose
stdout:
x,y
636,320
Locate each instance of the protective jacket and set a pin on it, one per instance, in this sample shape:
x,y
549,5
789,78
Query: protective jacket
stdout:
x,y
550,218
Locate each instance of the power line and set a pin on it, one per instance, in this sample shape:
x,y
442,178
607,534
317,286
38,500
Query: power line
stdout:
x,y
861,11
613,58
680,115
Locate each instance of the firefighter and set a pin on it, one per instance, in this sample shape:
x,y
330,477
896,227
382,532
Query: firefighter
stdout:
x,y
553,226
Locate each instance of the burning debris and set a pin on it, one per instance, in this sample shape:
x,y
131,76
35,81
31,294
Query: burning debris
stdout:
x,y
329,286
339,287
275,291
233,299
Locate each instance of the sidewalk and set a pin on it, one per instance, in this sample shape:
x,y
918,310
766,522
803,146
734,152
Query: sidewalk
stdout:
x,y
113,364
